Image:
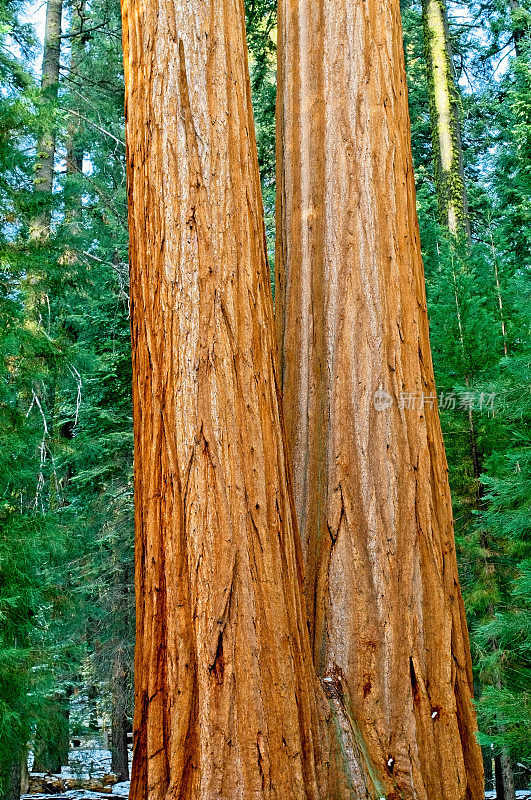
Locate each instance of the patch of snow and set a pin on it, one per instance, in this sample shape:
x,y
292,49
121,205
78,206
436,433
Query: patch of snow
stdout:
x,y
119,790
521,794
74,794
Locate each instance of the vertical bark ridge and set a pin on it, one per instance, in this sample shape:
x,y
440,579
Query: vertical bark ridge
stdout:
x,y
227,701
381,586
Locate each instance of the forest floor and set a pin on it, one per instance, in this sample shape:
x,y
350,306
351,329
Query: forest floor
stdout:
x,y
84,764
122,790
119,790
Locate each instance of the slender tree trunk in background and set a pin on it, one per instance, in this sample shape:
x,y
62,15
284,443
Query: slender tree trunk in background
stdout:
x,y
498,290
498,779
14,779
119,722
507,776
503,777
385,611
24,777
121,671
227,703
11,774
472,437
74,147
445,124
503,768
43,180
518,30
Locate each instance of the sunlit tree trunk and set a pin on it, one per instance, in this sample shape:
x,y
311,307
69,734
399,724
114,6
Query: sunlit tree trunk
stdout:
x,y
44,163
385,611
227,702
445,123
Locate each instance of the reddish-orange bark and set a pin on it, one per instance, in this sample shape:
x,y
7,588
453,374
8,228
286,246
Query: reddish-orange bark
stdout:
x,y
227,702
385,610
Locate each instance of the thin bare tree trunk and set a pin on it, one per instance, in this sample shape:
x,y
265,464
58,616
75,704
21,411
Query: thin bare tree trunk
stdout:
x,y
44,163
24,774
385,611
227,703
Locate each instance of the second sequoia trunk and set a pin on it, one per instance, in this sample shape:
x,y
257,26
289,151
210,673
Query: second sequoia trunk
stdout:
x,y
385,612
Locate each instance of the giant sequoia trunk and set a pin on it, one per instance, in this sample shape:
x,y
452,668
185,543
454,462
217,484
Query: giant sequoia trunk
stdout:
x,y
445,124
44,162
370,476
227,702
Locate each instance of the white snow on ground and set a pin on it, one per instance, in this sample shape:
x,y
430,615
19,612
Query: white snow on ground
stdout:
x,y
521,795
85,763
120,790
93,762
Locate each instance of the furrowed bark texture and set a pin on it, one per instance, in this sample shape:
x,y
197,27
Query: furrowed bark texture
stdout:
x,y
445,122
227,702
385,611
